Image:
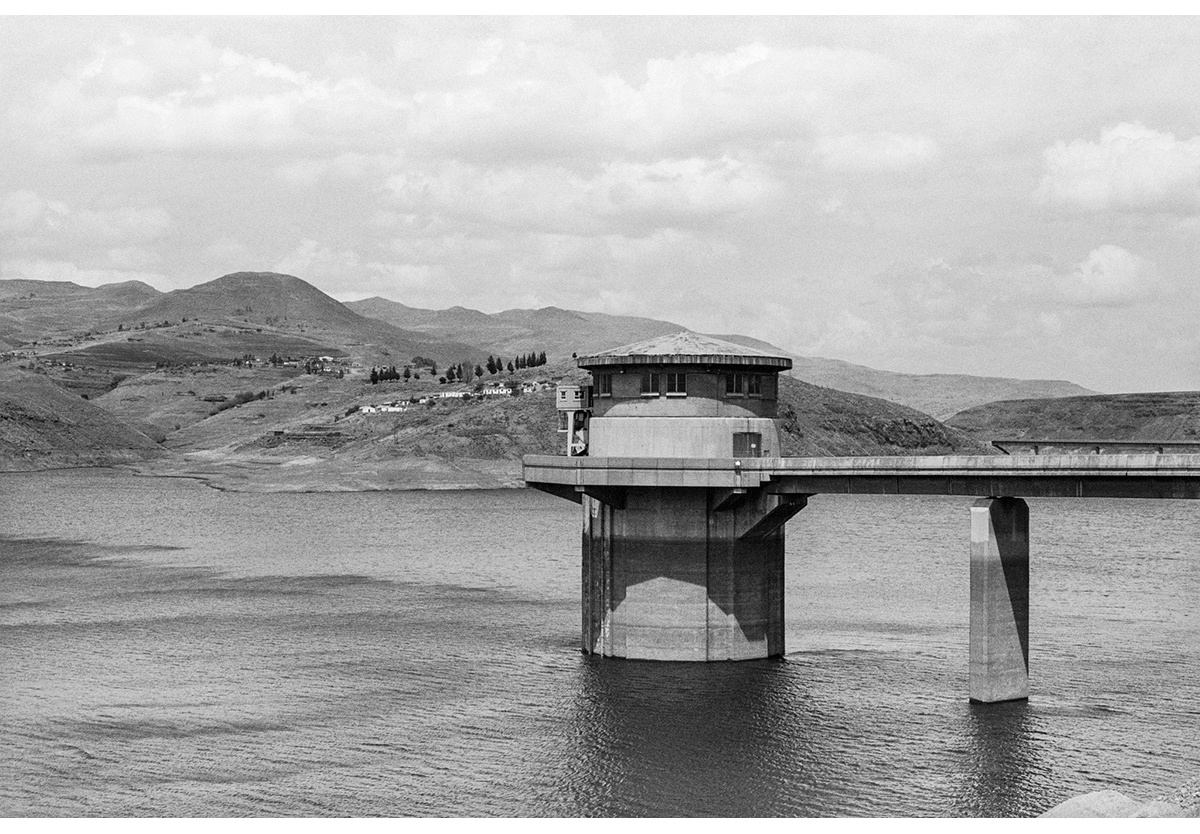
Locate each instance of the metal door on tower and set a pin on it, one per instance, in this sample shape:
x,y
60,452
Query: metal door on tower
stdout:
x,y
747,444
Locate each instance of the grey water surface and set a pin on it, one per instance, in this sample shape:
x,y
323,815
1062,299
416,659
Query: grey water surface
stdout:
x,y
167,649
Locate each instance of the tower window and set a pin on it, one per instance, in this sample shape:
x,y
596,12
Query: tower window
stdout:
x,y
604,384
754,385
676,385
650,384
735,385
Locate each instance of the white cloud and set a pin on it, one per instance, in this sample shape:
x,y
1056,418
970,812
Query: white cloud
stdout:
x,y
133,258
227,254
651,166
554,199
759,92
31,222
876,151
124,224
1131,168
946,295
1093,321
304,173
315,262
349,167
524,95
673,188
187,95
412,284
534,269
21,212
843,333
1109,277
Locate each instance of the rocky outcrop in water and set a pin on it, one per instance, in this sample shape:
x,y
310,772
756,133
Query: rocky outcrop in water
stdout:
x,y
1182,802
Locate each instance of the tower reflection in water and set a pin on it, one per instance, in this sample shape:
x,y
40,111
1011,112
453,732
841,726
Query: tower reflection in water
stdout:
x,y
1003,770
810,735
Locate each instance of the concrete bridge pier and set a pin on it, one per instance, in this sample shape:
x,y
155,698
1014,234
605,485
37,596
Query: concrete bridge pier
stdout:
x,y
684,574
999,655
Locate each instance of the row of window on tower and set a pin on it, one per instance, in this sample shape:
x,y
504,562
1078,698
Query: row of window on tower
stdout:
x,y
675,384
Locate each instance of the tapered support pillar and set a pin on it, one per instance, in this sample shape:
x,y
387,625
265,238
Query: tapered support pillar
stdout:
x,y
999,600
684,574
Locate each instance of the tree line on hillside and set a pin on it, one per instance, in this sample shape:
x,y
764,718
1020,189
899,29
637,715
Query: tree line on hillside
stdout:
x,y
495,364
454,373
379,375
458,372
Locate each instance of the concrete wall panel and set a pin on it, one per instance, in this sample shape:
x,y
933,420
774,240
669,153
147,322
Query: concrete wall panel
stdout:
x,y
676,437
669,577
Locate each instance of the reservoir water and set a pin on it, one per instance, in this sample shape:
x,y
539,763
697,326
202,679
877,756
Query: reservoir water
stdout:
x,y
167,649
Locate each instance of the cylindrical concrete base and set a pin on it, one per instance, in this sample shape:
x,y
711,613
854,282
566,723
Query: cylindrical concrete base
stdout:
x,y
671,576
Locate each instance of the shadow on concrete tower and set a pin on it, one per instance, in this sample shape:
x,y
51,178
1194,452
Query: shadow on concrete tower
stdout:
x,y
674,571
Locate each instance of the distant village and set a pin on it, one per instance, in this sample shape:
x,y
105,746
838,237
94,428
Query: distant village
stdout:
x,y
457,374
483,391
463,381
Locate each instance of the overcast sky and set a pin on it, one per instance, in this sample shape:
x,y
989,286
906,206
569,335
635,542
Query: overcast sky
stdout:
x,y
986,196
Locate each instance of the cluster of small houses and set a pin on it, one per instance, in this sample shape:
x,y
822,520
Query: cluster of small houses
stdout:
x,y
310,364
487,391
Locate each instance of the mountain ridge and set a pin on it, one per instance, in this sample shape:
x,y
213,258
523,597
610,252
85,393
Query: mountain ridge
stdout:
x,y
254,307
939,395
238,302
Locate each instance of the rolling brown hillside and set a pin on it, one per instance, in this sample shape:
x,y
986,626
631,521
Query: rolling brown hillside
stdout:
x,y
288,305
34,310
1151,417
823,421
251,312
310,434
941,395
264,313
43,426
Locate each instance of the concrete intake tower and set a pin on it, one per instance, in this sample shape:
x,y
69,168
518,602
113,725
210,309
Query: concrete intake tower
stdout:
x,y
674,569
674,454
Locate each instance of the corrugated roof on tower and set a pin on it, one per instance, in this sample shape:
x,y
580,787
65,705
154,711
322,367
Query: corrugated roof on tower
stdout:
x,y
685,348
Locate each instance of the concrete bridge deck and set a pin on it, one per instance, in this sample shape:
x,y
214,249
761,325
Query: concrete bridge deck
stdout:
x,y
1034,476
683,557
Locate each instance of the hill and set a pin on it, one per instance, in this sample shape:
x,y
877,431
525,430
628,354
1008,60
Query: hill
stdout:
x,y
285,304
1152,417
941,395
24,289
44,427
265,312
222,319
173,398
259,297
558,332
33,310
309,433
563,332
824,421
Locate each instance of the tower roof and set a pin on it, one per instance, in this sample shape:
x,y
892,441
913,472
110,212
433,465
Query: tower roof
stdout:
x,y
686,348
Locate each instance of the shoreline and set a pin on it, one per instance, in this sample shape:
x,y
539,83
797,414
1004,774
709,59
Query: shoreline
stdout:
x,y
247,477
